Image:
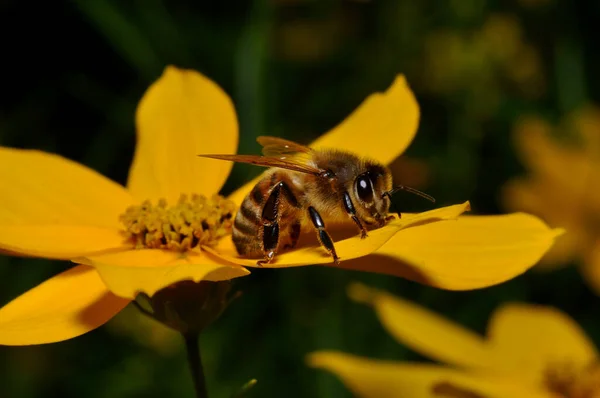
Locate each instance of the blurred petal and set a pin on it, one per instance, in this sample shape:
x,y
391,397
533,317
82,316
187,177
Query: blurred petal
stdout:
x,y
42,188
424,331
570,168
532,137
371,378
347,249
148,270
565,165
536,196
566,248
65,306
59,241
528,339
468,253
182,115
389,120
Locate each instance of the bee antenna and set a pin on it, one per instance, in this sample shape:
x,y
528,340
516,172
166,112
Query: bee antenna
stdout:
x,y
408,189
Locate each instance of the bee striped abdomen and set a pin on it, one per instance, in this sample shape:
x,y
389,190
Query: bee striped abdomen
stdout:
x,y
248,224
269,208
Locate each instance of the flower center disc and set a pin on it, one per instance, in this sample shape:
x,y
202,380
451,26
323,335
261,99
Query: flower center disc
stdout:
x,y
192,222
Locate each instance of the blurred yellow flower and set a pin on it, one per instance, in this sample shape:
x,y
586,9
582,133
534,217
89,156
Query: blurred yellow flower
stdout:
x,y
482,61
52,207
530,351
561,186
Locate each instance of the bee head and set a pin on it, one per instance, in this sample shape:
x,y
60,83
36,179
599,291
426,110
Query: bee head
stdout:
x,y
369,189
373,189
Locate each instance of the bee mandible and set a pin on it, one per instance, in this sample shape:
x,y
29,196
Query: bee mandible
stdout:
x,y
308,186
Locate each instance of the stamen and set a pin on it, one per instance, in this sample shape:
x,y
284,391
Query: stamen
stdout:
x,y
190,223
571,381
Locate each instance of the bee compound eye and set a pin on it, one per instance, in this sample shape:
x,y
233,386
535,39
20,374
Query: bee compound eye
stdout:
x,y
364,188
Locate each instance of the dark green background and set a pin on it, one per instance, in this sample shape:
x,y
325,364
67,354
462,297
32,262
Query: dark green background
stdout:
x,y
73,71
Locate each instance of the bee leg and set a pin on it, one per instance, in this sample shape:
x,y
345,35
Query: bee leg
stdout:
x,y
270,242
322,234
270,218
349,206
270,221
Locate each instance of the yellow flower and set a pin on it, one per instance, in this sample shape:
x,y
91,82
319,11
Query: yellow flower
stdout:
x,y
561,186
54,208
481,61
530,351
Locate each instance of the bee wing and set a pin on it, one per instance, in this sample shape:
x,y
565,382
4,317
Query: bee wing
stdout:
x,y
283,149
295,164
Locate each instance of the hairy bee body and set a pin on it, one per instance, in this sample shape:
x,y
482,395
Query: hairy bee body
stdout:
x,y
299,191
306,186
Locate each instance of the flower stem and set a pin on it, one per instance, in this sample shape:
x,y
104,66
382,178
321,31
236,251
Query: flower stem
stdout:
x,y
195,362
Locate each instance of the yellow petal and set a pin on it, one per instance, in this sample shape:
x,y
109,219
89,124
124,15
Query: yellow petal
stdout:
x,y
128,273
43,188
426,217
347,249
527,339
370,378
424,331
65,306
381,128
182,115
468,253
314,254
59,241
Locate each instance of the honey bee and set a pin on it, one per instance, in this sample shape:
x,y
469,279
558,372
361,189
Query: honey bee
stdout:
x,y
305,185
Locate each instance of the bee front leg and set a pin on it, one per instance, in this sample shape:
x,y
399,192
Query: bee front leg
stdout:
x,y
322,234
349,206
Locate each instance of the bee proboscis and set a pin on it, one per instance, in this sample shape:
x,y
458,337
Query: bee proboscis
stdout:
x,y
305,185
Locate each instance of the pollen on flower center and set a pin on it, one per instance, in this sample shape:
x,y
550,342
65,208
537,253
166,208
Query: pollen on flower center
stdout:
x,y
190,223
573,382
